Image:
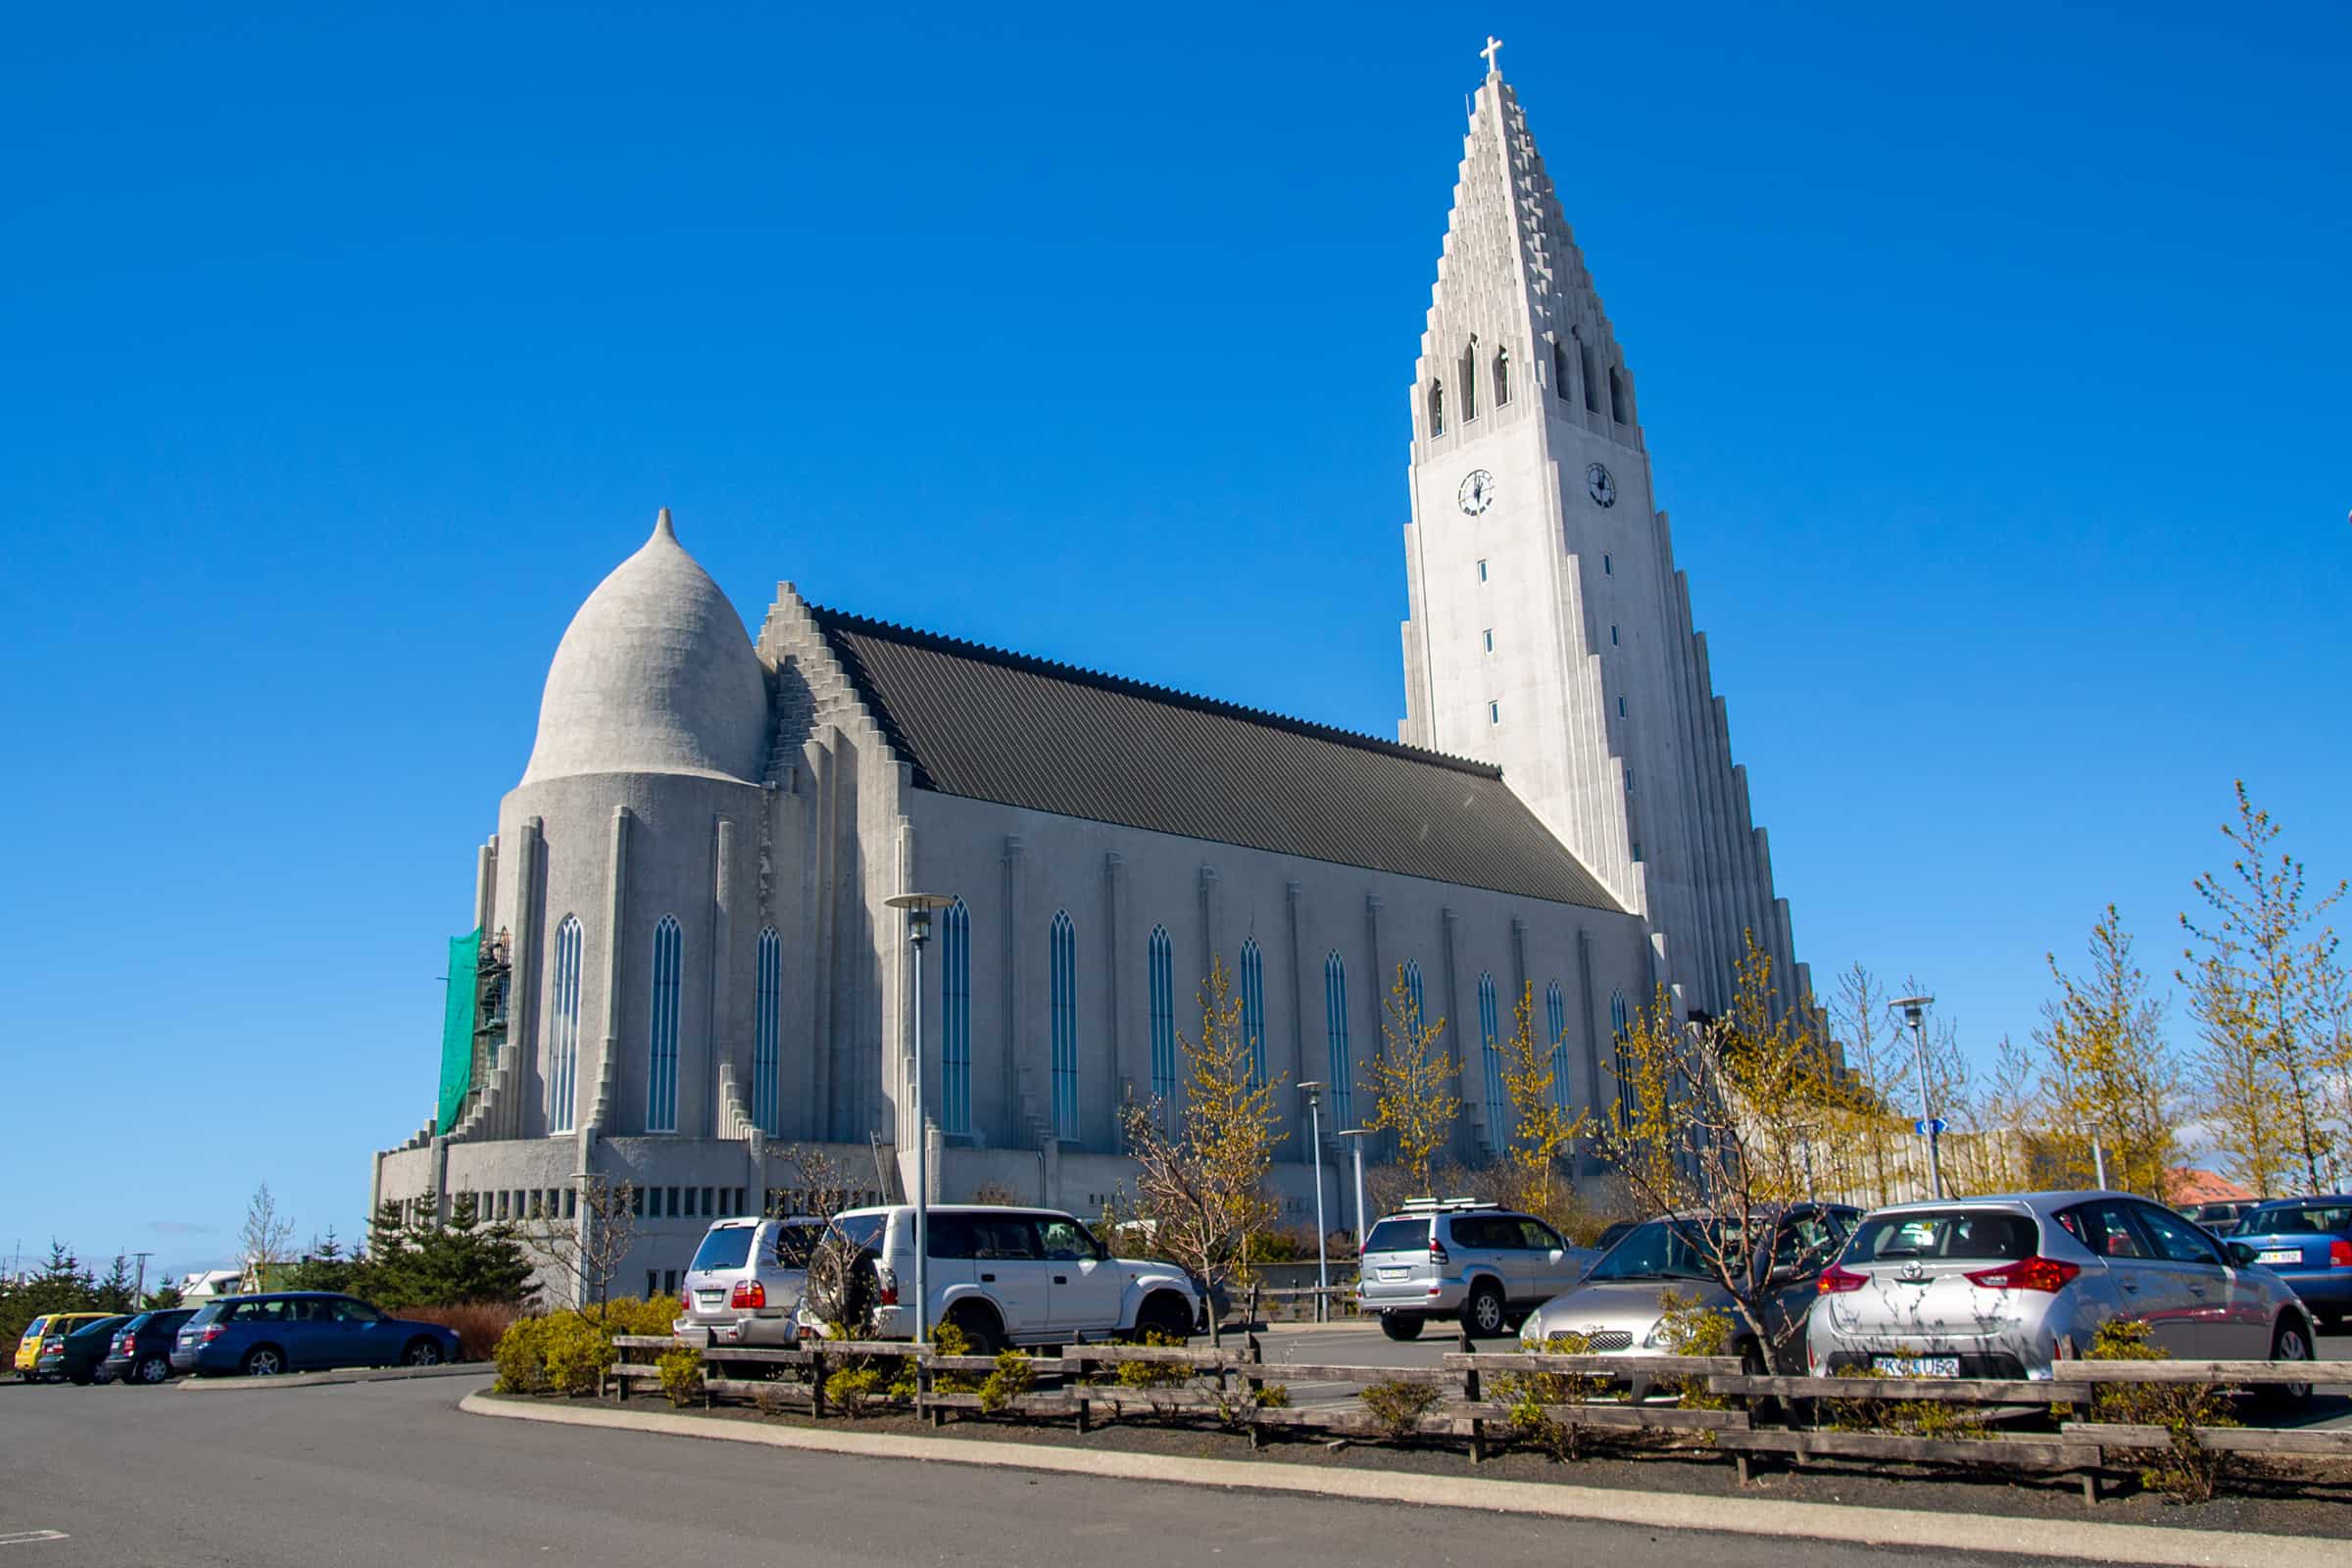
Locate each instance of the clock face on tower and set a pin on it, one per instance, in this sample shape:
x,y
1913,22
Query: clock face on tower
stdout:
x,y
1477,492
1600,486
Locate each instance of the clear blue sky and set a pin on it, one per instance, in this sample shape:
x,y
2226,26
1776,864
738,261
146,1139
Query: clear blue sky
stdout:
x,y
1994,372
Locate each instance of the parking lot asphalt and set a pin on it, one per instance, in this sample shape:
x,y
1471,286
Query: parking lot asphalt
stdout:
x,y
391,1475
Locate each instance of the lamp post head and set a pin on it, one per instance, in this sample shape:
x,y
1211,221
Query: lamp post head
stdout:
x,y
1313,1092
1911,1007
1353,1132
919,907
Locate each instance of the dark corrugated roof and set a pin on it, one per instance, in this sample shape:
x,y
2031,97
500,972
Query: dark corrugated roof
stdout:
x,y
992,725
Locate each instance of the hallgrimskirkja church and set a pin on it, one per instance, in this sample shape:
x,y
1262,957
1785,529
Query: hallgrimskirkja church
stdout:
x,y
682,962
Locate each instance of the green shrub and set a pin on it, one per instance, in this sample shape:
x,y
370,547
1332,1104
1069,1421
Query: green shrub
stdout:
x,y
1011,1381
947,1339
1686,1328
1274,1396
522,1358
2185,1468
1908,1418
1528,1393
851,1388
681,1374
577,1354
1153,1374
1398,1407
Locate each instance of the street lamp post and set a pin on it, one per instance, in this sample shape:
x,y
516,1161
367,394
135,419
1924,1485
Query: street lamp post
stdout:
x,y
1915,1012
1314,1113
919,907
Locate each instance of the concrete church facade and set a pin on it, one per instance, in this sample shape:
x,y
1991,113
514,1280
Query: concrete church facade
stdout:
x,y
695,967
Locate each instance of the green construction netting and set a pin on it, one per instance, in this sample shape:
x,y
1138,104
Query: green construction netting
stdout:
x,y
457,1027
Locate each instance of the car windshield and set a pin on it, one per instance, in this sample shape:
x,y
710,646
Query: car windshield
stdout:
x,y
1399,1236
2306,1219
1975,1235
1670,1250
724,1248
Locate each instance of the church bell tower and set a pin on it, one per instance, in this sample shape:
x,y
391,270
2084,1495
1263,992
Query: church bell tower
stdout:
x,y
1549,631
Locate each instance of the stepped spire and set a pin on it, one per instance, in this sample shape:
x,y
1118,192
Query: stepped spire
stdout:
x,y
1512,281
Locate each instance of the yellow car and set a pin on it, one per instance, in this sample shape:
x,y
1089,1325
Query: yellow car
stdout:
x,y
55,1325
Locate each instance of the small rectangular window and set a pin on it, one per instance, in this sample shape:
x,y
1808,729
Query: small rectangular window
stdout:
x,y
710,1201
1612,636
1637,852
652,1280
1488,637
571,1203
1620,707
674,1203
1607,568
1494,712
1482,571
1629,781
669,1282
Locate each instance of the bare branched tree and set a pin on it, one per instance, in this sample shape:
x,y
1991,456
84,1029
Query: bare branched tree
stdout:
x,y
266,1240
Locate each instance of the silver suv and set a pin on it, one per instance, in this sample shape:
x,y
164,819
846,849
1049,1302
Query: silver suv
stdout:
x,y
747,1279
1484,1264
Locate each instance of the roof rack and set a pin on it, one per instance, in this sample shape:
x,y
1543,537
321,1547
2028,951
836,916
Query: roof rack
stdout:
x,y
1425,1205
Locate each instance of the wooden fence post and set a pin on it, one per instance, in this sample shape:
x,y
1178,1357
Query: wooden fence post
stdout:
x,y
1471,1396
816,1383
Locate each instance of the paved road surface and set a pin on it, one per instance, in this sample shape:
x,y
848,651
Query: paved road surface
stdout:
x,y
361,1475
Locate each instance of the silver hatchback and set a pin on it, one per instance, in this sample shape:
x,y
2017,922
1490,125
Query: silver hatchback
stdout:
x,y
2006,1287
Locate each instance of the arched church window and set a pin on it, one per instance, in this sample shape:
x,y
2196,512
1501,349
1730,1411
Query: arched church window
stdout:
x,y
1064,946
1436,408
1491,1044
661,1068
1467,370
1592,369
1621,1029
767,1024
1561,377
1160,961
1620,409
955,1019
1340,1070
563,1028
1502,376
1254,1008
1555,1015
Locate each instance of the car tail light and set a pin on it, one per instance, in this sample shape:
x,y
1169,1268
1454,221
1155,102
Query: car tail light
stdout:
x,y
2340,1254
213,1333
890,1295
1837,1281
748,1293
2045,1274
1438,1253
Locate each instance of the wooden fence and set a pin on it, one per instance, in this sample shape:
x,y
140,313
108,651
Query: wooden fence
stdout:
x,y
1758,1416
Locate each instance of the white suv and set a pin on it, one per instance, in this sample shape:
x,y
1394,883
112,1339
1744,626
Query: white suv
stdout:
x,y
1011,1276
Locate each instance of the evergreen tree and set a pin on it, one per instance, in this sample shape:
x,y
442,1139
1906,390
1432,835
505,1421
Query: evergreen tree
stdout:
x,y
162,1298
465,1260
113,1293
384,1273
322,1266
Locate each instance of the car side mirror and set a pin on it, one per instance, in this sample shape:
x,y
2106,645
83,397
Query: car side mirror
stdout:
x,y
2240,1253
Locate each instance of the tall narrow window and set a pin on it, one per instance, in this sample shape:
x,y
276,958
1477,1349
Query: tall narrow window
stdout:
x,y
1468,371
1412,994
1612,636
1495,713
1254,1008
1482,571
767,1023
1340,1071
1064,945
1559,370
563,1028
1497,1105
1555,1015
1502,376
1486,637
1162,964
1608,566
1620,1028
1592,369
662,1078
1620,707
1436,408
1621,408
955,1019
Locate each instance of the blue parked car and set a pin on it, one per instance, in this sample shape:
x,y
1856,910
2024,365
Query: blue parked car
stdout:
x,y
301,1331
2307,1242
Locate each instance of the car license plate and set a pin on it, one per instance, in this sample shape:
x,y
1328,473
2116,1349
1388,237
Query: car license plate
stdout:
x,y
2295,1256
1393,1273
1916,1366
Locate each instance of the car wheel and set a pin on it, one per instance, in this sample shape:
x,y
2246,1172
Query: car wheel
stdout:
x,y
421,1352
154,1369
1164,1315
2289,1342
1483,1314
981,1329
263,1362
1401,1325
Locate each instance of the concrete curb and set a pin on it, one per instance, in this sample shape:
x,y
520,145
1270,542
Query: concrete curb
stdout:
x,y
357,1374
1904,1527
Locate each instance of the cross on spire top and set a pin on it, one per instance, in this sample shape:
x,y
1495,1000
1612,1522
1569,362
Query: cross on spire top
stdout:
x,y
1493,47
